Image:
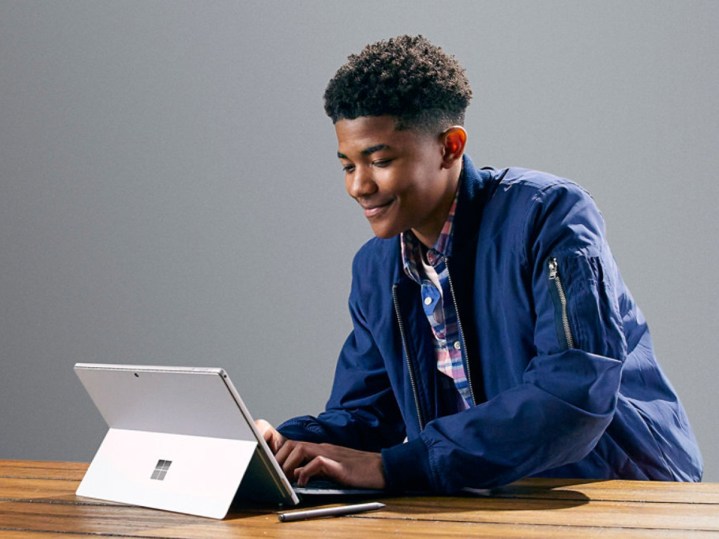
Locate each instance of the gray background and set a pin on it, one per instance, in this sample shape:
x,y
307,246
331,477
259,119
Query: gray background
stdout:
x,y
169,192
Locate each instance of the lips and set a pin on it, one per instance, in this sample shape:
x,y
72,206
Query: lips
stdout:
x,y
372,211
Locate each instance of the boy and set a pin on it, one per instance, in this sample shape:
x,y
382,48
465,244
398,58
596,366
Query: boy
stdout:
x,y
493,335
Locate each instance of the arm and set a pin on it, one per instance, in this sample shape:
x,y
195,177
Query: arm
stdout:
x,y
360,418
555,414
362,411
566,397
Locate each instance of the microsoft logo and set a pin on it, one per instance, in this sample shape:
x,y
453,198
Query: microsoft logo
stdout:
x,y
161,469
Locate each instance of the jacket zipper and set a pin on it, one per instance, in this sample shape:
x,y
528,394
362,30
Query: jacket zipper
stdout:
x,y
410,368
556,279
465,360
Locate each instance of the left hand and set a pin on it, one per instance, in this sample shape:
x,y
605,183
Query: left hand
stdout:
x,y
351,467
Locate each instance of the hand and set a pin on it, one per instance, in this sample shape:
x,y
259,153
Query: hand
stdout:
x,y
273,438
351,467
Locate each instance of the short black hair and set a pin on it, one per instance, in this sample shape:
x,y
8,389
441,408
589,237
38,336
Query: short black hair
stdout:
x,y
407,77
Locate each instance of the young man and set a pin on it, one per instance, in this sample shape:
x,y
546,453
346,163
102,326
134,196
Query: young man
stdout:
x,y
493,335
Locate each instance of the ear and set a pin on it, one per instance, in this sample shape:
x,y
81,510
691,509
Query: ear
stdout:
x,y
454,141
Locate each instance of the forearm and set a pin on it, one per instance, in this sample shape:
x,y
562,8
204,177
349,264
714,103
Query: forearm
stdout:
x,y
523,431
347,428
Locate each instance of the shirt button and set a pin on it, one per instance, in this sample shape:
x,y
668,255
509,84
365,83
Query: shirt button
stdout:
x,y
427,300
457,345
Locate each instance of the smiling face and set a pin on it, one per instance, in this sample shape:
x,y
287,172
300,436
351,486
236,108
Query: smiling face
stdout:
x,y
403,179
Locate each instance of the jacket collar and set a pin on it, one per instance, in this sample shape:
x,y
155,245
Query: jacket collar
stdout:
x,y
476,187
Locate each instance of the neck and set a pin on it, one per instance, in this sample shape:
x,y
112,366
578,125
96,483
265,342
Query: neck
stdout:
x,y
429,233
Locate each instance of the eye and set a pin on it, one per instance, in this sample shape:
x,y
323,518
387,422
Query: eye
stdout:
x,y
348,168
380,163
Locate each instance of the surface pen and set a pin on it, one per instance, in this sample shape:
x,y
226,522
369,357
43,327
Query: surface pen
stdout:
x,y
329,511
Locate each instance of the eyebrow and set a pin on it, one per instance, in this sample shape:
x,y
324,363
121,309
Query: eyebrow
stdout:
x,y
367,151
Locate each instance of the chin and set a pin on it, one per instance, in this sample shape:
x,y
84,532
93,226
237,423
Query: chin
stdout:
x,y
385,233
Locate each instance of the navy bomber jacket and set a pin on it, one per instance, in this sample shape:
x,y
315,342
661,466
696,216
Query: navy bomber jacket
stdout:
x,y
558,355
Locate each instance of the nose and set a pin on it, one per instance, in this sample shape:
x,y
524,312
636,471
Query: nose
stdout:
x,y
360,184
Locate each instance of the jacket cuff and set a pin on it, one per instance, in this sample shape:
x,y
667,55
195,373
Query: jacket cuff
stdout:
x,y
303,429
406,467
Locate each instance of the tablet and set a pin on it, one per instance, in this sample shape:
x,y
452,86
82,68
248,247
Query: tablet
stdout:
x,y
179,439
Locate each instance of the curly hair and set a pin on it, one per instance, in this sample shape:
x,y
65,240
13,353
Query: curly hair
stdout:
x,y
407,77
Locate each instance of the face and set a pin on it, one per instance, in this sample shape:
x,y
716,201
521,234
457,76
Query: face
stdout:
x,y
401,179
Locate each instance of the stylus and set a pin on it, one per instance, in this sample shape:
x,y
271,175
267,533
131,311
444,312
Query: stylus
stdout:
x,y
329,511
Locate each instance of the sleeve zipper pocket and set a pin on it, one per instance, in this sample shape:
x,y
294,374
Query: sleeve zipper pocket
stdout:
x,y
562,299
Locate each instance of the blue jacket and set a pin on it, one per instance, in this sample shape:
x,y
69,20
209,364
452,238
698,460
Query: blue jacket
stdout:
x,y
558,355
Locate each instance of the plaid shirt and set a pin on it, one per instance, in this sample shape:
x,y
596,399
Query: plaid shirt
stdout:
x,y
439,304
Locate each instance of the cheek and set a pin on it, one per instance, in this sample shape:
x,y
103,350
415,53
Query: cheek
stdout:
x,y
417,183
400,181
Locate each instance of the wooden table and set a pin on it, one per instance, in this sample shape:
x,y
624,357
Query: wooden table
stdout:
x,y
37,500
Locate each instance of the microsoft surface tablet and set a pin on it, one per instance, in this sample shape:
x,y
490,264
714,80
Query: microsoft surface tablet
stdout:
x,y
179,439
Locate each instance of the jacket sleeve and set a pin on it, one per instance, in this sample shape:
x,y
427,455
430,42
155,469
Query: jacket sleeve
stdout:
x,y
567,394
362,411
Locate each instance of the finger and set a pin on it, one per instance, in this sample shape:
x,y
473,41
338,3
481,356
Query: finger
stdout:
x,y
265,429
273,438
262,425
299,456
296,454
276,441
284,451
319,467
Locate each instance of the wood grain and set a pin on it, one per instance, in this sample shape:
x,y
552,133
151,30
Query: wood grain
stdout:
x,y
37,499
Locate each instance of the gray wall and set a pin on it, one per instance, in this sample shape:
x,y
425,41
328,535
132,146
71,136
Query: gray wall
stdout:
x,y
169,192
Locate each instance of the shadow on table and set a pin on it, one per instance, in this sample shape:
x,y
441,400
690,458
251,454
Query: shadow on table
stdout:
x,y
532,494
